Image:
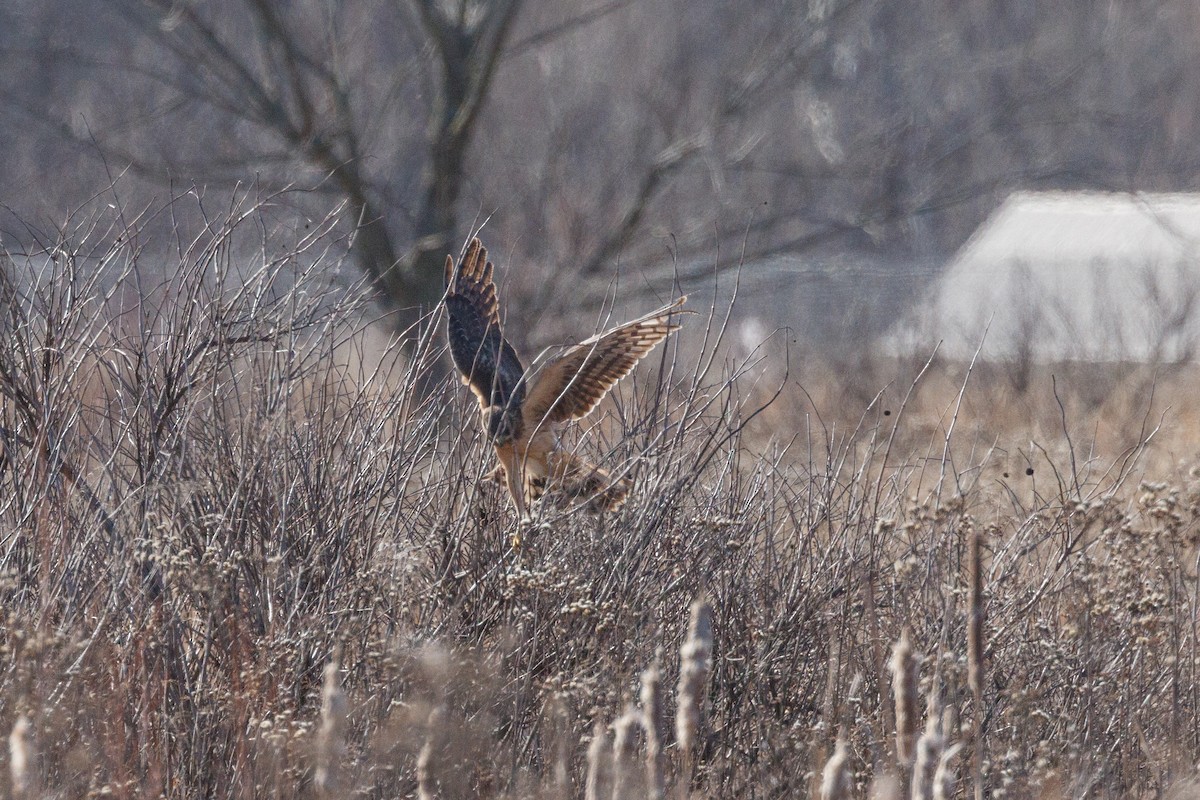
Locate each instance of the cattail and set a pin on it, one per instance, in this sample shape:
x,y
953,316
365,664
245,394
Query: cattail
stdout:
x,y
596,764
652,720
331,739
695,656
929,751
836,781
944,779
904,686
975,659
562,770
625,731
22,759
560,722
820,749
879,662
426,759
950,721
886,786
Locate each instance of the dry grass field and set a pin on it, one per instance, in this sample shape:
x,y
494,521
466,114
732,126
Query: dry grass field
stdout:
x,y
246,553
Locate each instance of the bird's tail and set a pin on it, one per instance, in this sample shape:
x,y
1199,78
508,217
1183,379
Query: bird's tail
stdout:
x,y
573,479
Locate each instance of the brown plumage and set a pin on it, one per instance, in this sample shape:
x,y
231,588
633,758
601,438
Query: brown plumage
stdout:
x,y
520,410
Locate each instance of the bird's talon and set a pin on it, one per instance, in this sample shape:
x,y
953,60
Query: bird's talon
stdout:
x,y
525,524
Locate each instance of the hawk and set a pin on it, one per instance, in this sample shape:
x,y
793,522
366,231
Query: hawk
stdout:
x,y
521,409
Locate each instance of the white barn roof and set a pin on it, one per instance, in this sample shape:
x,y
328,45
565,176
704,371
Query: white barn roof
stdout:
x,y
1080,276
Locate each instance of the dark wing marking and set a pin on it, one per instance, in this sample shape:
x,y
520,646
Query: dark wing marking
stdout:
x,y
472,281
572,384
489,364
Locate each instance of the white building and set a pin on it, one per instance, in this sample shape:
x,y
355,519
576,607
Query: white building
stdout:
x,y
1070,276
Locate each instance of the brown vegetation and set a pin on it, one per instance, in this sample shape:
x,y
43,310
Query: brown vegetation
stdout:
x,y
242,558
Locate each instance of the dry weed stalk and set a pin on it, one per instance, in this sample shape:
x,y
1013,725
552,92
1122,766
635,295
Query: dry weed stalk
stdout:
x,y
928,753
22,759
625,732
597,764
903,666
560,722
695,659
944,779
886,786
975,659
652,720
829,708
836,779
426,760
255,458
331,734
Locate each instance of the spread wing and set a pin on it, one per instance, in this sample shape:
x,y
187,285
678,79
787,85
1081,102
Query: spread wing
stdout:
x,y
488,363
573,383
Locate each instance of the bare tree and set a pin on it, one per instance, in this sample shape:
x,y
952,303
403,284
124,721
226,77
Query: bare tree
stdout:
x,y
289,86
293,86
468,42
623,131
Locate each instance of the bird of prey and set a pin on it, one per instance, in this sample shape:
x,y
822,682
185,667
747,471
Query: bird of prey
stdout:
x,y
522,409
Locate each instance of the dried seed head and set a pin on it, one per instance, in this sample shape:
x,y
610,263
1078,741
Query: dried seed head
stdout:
x,y
22,759
560,743
904,687
836,780
886,787
426,760
929,751
945,778
975,665
652,717
695,659
625,741
597,764
331,733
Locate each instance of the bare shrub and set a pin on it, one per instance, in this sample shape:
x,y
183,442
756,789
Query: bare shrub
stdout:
x,y
214,486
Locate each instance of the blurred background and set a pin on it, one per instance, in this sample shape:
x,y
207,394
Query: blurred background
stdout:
x,y
834,156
